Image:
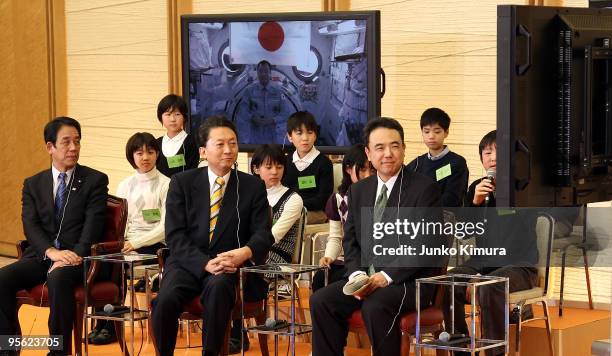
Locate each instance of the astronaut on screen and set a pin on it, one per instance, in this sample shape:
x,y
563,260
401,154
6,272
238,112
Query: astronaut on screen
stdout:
x,y
264,109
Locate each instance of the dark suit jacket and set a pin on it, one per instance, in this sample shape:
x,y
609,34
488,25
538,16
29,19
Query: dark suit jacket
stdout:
x,y
417,191
83,223
188,215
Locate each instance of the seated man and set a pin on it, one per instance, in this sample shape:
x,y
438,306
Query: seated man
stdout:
x,y
217,219
518,264
63,214
390,291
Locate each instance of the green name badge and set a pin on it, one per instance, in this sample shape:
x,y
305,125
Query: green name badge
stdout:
x,y
443,172
306,182
151,215
176,161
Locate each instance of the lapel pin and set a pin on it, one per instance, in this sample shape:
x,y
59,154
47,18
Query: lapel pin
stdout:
x,y
73,188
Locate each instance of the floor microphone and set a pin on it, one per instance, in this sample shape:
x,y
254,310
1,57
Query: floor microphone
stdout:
x,y
446,337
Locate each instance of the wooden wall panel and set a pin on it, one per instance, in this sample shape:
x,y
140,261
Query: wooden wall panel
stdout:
x,y
117,59
443,54
28,101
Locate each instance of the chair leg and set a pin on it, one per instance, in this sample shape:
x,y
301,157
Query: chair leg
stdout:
x,y
588,279
563,254
519,327
405,344
78,329
548,328
263,338
300,311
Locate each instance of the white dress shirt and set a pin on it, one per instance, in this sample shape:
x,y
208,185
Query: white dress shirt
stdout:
x,y
55,172
303,163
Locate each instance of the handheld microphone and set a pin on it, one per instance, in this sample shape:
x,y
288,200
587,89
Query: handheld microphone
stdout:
x,y
491,172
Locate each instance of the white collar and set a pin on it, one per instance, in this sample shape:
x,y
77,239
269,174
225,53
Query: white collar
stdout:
x,y
212,177
178,137
444,152
55,172
308,158
389,183
143,177
171,146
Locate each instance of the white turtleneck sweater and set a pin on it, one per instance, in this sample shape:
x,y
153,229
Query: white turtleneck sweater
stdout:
x,y
291,212
152,187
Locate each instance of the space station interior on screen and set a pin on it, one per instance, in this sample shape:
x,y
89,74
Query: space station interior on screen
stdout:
x,y
259,73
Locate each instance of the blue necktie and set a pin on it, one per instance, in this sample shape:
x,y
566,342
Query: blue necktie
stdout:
x,y
60,197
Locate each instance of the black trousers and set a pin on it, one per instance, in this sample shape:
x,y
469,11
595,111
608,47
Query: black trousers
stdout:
x,y
27,273
336,272
178,287
490,299
330,309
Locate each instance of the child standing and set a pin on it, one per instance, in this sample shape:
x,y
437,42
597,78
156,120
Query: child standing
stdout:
x,y
441,164
179,151
308,172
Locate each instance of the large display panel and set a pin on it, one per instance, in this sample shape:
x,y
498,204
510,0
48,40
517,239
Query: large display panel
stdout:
x,y
257,69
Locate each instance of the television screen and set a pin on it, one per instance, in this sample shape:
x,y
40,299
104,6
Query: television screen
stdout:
x,y
258,69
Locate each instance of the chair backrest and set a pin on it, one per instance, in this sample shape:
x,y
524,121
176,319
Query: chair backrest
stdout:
x,y
545,232
299,237
116,219
112,241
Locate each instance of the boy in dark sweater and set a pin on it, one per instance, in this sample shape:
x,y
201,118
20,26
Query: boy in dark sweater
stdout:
x,y
445,167
308,171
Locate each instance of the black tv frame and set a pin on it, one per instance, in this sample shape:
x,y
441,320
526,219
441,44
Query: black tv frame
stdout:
x,y
375,74
543,152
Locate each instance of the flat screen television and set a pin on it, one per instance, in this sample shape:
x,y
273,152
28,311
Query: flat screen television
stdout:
x,y
258,69
554,93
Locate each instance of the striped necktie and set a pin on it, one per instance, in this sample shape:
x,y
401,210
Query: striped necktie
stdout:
x,y
215,205
60,197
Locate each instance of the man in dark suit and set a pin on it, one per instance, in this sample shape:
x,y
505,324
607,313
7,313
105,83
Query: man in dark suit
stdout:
x,y
217,219
63,214
390,291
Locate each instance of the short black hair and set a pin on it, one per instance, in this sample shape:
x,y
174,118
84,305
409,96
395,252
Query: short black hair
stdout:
x,y
52,127
172,102
212,122
385,122
267,152
433,116
299,118
487,140
136,142
262,63
357,157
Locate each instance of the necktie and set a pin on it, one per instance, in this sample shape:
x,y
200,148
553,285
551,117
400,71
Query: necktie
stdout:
x,y
215,205
379,208
60,197
381,202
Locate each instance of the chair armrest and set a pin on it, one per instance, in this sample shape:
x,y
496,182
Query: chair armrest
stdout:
x,y
21,246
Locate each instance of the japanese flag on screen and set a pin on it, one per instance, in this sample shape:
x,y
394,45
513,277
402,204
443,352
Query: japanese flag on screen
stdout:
x,y
280,43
